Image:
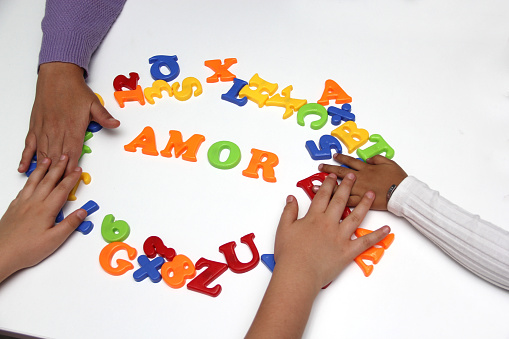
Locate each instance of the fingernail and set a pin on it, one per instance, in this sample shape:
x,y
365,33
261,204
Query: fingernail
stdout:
x,y
386,229
350,176
19,167
82,214
77,169
289,199
333,176
45,160
370,194
320,167
62,157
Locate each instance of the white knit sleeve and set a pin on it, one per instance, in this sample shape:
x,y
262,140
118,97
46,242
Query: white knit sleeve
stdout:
x,y
478,245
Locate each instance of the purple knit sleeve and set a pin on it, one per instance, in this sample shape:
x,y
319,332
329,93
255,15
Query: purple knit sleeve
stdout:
x,y
73,29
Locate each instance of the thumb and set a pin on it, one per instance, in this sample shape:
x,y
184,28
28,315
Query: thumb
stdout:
x,y
378,160
290,212
102,116
61,231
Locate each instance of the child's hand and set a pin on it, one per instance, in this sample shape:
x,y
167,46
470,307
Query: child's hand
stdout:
x,y
318,246
28,233
309,253
64,106
377,174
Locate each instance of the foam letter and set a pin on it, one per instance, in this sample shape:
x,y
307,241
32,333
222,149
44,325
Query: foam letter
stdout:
x,y
267,166
146,140
190,147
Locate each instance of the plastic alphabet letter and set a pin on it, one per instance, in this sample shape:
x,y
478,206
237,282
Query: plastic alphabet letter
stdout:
x,y
91,207
157,91
221,70
100,100
187,89
85,150
134,95
121,81
148,268
154,245
176,272
233,262
189,148
114,230
86,178
333,91
85,227
168,61
290,104
109,251
31,168
307,183
214,154
232,94
379,147
268,261
313,108
267,166
94,127
256,95
146,140
327,143
385,243
351,136
373,254
213,271
88,135
340,114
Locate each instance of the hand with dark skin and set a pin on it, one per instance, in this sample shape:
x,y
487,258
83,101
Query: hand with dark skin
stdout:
x,y
377,174
64,106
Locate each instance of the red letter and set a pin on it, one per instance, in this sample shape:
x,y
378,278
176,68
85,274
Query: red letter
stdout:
x,y
214,270
234,264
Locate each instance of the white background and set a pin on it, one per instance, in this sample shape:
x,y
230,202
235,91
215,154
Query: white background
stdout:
x,y
432,77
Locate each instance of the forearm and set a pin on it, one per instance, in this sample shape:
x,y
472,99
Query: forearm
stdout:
x,y
72,30
478,245
285,308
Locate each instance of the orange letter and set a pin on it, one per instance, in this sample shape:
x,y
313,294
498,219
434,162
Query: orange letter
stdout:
x,y
146,140
109,251
334,91
351,136
123,96
267,166
221,70
190,146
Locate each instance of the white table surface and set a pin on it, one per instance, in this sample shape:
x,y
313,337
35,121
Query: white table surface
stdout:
x,y
431,77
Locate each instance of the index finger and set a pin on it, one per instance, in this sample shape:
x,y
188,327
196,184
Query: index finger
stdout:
x,y
322,197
